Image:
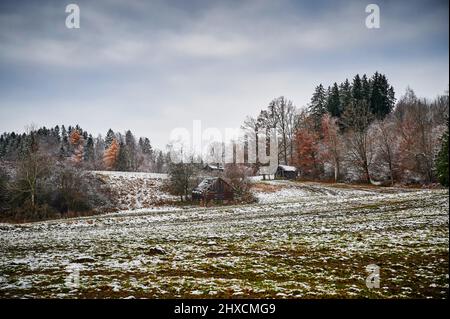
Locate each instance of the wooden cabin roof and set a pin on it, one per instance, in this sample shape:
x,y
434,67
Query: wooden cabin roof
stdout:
x,y
207,183
287,168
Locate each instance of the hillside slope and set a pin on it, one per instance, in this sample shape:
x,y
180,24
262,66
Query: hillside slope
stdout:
x,y
135,190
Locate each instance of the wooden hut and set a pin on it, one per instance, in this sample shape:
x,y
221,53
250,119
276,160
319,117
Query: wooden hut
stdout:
x,y
286,172
213,188
213,168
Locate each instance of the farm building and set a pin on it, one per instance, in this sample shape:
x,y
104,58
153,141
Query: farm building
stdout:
x,y
286,172
213,188
213,168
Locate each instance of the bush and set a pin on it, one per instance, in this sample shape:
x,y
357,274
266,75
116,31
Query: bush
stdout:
x,y
75,190
237,175
182,179
57,190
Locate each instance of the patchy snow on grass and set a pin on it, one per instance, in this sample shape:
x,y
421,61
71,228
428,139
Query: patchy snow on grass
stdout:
x,y
311,241
137,190
136,175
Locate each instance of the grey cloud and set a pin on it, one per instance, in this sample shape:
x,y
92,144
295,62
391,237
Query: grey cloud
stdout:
x,y
165,63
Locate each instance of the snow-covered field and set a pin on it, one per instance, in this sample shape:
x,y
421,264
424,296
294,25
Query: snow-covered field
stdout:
x,y
302,240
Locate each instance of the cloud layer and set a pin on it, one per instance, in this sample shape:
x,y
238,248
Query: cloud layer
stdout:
x,y
154,65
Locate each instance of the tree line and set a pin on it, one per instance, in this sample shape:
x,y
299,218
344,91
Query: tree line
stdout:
x,y
116,151
357,131
44,173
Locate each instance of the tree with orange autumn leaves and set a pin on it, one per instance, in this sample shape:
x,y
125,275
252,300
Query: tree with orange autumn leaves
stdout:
x,y
307,154
77,142
111,155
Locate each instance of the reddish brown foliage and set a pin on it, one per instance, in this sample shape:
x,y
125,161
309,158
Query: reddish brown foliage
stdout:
x,y
111,154
307,152
77,141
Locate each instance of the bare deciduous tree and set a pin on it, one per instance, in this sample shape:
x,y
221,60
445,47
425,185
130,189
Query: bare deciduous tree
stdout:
x,y
387,146
31,172
182,179
332,142
419,129
356,120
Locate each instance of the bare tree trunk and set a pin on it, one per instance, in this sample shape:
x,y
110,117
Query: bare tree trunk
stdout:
x,y
366,172
33,205
391,173
336,171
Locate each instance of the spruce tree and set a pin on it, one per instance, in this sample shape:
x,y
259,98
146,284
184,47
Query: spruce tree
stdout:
x,y
89,152
110,136
145,145
64,141
375,94
345,94
56,133
365,89
318,106
382,97
131,151
357,88
122,158
334,103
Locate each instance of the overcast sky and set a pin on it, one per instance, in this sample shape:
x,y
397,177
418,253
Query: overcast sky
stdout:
x,y
151,66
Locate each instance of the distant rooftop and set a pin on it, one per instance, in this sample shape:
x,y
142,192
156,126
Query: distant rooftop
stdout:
x,y
287,168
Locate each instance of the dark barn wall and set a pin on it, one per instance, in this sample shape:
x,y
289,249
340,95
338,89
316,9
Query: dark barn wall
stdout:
x,y
280,173
219,190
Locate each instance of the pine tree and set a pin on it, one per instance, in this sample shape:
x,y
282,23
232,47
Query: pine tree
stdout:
x,y
146,159
318,106
122,158
110,136
334,103
357,88
382,97
64,141
131,152
375,94
365,89
145,146
442,161
89,153
345,94
56,133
